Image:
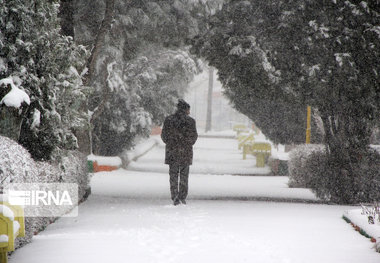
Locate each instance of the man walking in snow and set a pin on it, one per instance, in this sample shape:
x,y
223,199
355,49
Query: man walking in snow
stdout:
x,y
179,134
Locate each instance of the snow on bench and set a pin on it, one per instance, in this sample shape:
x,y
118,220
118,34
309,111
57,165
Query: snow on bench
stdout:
x,y
11,226
245,139
239,128
4,239
7,212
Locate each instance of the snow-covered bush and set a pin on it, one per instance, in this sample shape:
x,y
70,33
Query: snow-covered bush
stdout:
x,y
330,181
298,174
17,166
74,169
310,166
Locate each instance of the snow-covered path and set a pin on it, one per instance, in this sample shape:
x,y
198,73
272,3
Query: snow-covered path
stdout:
x,y
211,155
129,218
145,230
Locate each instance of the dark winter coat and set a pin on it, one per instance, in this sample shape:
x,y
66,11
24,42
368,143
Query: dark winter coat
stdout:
x,y
179,134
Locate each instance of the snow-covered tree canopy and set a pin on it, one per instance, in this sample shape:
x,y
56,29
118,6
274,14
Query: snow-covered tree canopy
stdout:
x,y
298,53
45,67
151,66
143,92
139,66
276,57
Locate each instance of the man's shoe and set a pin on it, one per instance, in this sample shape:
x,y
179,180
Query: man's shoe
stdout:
x,y
176,202
183,202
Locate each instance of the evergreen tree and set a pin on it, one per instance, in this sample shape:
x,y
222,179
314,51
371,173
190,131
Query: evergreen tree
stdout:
x,y
143,92
142,67
295,53
46,65
298,53
250,81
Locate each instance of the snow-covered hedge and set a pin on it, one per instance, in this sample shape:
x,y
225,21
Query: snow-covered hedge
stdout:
x,y
17,166
311,167
299,176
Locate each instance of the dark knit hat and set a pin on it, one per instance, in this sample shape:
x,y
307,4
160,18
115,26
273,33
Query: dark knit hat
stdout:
x,y
182,105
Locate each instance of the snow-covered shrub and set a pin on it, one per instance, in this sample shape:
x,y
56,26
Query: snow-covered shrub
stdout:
x,y
75,170
310,166
17,166
299,176
329,181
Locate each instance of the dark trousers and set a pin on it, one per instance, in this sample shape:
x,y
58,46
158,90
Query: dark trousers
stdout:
x,y
179,189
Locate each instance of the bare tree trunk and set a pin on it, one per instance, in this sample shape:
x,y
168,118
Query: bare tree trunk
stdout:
x,y
328,132
99,41
106,93
209,98
85,137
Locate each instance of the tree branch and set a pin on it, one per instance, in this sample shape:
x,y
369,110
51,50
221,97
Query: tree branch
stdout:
x,y
99,41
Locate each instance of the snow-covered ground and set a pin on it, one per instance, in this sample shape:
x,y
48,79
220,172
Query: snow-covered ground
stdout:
x,y
211,156
129,218
137,184
359,218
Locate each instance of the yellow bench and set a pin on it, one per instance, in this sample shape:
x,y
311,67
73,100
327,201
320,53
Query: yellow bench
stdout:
x,y
12,225
261,150
244,139
239,128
